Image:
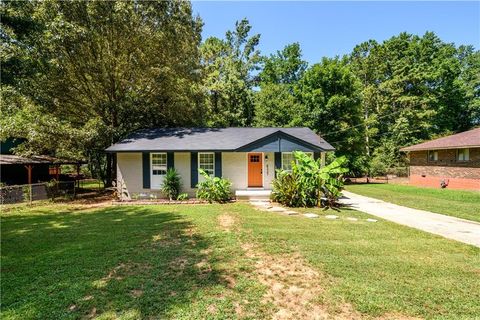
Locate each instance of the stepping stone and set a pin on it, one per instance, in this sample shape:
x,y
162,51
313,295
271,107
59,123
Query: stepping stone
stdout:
x,y
259,203
291,213
372,220
331,216
352,219
310,215
277,209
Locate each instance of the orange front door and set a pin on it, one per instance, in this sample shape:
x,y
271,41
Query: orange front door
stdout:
x,y
255,165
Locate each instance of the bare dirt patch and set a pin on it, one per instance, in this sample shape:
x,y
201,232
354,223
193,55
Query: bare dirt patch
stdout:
x,y
227,222
293,287
136,293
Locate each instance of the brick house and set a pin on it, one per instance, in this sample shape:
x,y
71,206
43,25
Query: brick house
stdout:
x,y
453,160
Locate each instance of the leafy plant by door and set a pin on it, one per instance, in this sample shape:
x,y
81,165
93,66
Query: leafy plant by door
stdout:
x,y
308,183
214,189
171,184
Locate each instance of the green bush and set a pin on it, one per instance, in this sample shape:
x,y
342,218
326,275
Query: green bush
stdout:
x,y
398,171
214,189
377,167
182,196
308,183
287,189
171,184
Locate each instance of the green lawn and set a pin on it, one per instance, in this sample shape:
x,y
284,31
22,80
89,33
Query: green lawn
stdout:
x,y
457,203
129,262
91,184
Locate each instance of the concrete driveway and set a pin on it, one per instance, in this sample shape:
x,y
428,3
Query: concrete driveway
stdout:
x,y
449,227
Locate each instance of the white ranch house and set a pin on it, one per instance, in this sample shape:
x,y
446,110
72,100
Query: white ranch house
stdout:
x,y
247,157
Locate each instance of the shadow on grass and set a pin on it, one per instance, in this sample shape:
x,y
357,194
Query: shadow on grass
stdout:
x,y
137,261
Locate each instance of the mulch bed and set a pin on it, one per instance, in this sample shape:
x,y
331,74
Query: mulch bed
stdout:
x,y
161,201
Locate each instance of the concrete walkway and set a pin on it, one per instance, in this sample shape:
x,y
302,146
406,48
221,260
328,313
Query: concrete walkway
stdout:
x,y
446,226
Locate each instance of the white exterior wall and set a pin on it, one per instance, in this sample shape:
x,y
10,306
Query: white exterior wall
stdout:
x,y
234,168
268,169
129,175
182,164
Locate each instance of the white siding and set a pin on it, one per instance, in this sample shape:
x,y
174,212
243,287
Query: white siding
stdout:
x,y
182,164
234,168
268,169
130,174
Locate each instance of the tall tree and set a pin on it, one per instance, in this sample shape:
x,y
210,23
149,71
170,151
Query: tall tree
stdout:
x,y
275,102
413,88
228,76
284,67
110,67
329,94
470,81
17,29
364,63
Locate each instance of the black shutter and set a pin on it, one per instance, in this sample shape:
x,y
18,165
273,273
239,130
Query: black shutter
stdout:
x,y
278,161
146,170
193,169
218,164
316,155
170,160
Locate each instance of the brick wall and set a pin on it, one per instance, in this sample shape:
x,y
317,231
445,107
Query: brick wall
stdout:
x,y
445,158
460,174
453,183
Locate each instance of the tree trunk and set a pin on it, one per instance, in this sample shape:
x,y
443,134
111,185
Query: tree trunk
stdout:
x,y
108,177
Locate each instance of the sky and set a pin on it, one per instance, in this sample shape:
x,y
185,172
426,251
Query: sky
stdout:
x,y
334,28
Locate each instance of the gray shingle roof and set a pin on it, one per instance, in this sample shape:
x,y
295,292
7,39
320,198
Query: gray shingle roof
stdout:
x,y
209,139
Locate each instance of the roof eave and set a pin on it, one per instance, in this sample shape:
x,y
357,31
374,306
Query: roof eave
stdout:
x,y
410,149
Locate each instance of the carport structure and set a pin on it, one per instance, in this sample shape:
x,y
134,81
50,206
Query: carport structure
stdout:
x,y
26,170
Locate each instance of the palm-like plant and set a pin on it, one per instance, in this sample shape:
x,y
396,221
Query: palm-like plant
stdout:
x,y
171,184
308,182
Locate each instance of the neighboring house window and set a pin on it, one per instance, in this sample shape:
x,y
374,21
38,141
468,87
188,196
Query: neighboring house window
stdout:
x,y
206,162
432,155
463,154
287,158
159,169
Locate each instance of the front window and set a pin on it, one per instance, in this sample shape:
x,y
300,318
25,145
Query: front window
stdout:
x,y
206,162
432,155
159,164
288,158
463,155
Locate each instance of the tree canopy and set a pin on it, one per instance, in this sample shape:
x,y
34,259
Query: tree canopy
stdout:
x,y
102,69
78,76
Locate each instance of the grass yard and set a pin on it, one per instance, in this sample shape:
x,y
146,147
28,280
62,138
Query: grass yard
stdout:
x,y
456,203
227,261
91,184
